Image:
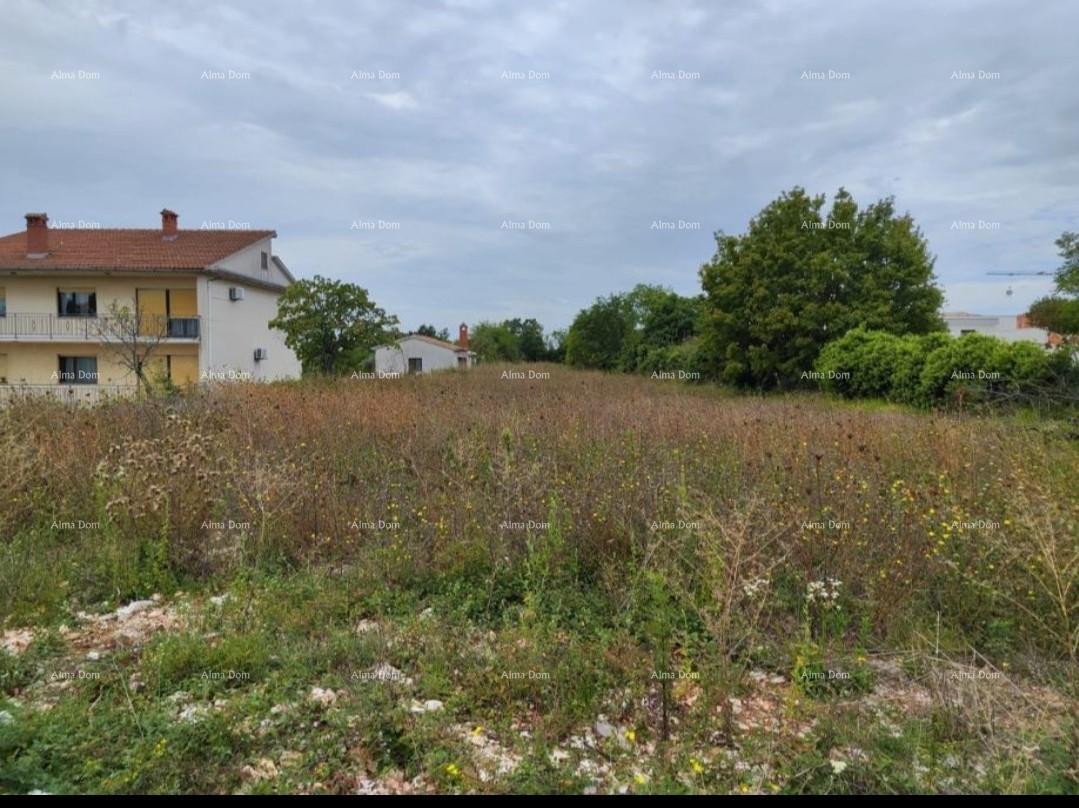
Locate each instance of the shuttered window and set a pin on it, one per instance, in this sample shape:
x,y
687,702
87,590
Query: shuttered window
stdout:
x,y
183,370
153,311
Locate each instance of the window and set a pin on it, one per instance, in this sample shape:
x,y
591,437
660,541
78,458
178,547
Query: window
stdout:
x,y
74,303
183,370
78,369
462,361
265,260
415,364
3,302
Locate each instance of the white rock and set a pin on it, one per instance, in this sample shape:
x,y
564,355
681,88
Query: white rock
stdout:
x,y
134,607
219,600
429,706
384,672
322,697
16,640
264,769
605,729
192,713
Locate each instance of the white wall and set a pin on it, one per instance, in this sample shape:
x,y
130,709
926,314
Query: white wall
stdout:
x,y
394,358
232,330
1003,326
248,262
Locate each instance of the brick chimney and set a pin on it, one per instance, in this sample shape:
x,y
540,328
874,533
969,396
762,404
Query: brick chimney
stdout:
x,y
462,335
169,223
37,235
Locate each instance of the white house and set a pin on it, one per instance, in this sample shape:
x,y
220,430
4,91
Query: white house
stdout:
x,y
416,353
1010,327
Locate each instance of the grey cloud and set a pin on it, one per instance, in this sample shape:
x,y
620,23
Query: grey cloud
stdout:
x,y
598,118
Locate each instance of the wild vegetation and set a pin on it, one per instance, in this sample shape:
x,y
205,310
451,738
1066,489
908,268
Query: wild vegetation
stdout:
x,y
1059,312
586,582
940,370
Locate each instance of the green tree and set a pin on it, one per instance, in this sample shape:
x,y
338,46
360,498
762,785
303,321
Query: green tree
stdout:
x,y
556,345
1059,312
430,331
529,335
801,276
599,335
495,342
331,325
670,320
640,330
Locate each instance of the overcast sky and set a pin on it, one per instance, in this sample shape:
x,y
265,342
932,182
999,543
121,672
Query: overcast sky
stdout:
x,y
447,127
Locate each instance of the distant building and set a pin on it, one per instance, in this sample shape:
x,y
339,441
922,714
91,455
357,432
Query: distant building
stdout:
x,y
416,353
1010,327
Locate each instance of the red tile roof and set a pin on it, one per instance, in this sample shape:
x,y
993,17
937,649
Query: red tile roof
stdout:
x,y
435,341
119,249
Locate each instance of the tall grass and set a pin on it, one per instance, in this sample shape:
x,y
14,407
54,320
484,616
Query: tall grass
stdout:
x,y
542,492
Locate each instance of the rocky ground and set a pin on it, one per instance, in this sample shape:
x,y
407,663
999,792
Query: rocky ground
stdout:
x,y
749,742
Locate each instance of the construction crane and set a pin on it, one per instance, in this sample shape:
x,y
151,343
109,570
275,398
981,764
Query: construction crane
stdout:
x,y
1008,292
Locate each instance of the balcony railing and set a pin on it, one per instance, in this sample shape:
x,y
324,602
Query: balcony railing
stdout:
x,y
69,393
37,327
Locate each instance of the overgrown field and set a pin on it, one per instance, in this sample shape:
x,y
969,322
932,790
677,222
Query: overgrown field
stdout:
x,y
466,582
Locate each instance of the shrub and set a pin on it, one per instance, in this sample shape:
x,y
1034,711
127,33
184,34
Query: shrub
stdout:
x,y
685,357
971,367
907,372
860,364
939,369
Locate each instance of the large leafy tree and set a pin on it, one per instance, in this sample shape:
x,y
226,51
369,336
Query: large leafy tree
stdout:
x,y
529,336
801,276
1059,312
331,325
620,330
495,342
599,335
670,319
513,340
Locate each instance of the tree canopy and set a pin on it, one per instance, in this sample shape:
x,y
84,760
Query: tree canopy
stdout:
x,y
516,340
633,331
1059,312
426,330
801,276
599,334
332,326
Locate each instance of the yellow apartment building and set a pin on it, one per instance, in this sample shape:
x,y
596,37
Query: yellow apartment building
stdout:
x,y
201,298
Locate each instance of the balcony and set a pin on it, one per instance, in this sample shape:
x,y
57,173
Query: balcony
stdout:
x,y
52,327
68,393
